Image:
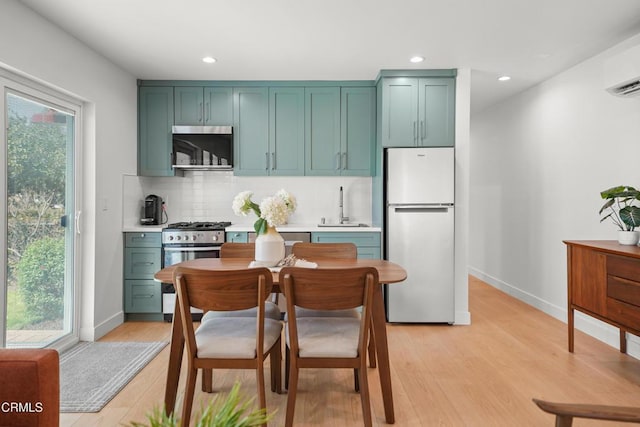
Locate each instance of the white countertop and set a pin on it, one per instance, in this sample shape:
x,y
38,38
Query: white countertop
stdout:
x,y
143,228
305,228
249,227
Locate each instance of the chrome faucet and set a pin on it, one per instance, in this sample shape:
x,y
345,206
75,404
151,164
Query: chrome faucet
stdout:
x,y
342,218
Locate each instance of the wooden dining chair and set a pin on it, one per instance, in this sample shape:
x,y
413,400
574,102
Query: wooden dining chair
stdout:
x,y
228,342
325,250
271,310
237,250
332,250
328,342
566,412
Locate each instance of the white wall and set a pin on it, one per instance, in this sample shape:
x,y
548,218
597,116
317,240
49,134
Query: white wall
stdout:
x,y
538,163
31,46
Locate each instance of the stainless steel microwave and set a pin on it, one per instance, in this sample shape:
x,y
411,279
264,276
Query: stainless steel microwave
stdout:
x,y
202,148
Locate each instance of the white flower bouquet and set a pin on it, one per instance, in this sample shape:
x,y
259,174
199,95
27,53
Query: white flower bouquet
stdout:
x,y
272,211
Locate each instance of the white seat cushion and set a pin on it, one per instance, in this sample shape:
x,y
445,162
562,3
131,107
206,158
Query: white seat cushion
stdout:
x,y
271,311
234,337
327,336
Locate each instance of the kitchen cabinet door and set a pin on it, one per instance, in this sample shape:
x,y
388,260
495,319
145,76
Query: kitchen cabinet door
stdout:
x,y
367,243
286,131
218,106
237,237
358,124
203,106
322,131
155,109
251,130
418,112
189,105
436,106
399,112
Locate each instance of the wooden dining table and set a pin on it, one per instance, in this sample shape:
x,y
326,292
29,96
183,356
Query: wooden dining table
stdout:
x,y
388,272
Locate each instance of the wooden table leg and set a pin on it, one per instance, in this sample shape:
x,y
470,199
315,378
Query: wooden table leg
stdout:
x,y
570,328
382,351
175,361
623,341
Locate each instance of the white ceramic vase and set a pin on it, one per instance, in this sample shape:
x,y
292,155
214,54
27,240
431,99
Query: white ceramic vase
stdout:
x,y
628,237
269,248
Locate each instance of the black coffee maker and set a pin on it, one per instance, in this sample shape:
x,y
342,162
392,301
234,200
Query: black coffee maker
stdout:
x,y
152,210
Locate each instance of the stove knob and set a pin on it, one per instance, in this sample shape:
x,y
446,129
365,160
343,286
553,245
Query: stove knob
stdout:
x,y
186,237
215,238
194,237
170,237
178,238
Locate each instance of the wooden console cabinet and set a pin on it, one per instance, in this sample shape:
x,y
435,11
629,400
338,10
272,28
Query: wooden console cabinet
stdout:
x,y
604,282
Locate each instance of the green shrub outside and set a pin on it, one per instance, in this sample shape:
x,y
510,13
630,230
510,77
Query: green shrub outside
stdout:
x,y
41,279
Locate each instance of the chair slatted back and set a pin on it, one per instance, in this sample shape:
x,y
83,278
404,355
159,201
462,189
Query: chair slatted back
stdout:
x,y
328,289
223,290
325,250
237,250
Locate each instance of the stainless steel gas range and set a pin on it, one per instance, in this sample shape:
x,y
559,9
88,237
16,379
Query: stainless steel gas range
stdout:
x,y
184,241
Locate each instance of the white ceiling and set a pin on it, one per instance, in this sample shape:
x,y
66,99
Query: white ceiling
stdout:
x,y
530,40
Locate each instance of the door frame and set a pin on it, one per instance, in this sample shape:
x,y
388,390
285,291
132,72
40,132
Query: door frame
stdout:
x,y
11,82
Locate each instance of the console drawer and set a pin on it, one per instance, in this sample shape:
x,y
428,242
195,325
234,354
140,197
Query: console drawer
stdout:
x,y
623,280
623,267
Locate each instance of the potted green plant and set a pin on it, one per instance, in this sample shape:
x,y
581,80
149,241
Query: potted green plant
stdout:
x,y
621,209
233,411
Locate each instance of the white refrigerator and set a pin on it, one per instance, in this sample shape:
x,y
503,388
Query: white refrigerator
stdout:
x,y
419,196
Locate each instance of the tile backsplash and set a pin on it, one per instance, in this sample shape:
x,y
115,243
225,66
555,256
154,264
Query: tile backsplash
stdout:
x,y
207,196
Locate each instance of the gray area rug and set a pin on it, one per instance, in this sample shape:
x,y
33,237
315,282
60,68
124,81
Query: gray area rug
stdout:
x,y
92,373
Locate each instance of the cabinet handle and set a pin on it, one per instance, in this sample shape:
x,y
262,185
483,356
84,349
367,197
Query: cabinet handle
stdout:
x,y
206,112
200,119
423,130
266,156
337,161
415,128
143,263
143,296
344,160
273,160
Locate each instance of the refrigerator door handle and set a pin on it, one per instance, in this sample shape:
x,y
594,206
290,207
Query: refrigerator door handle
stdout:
x,y
424,207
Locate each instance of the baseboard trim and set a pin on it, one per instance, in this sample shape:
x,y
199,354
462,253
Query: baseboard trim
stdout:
x,y
587,324
100,330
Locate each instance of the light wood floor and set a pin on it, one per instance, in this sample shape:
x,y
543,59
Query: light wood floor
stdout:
x,y
479,375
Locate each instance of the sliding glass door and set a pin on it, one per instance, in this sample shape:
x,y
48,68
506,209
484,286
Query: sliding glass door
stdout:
x,y
40,220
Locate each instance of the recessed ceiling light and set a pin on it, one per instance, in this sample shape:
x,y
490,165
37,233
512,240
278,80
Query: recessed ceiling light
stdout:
x,y
209,59
416,59
504,78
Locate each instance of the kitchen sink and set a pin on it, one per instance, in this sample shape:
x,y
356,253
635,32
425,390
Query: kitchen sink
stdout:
x,y
345,224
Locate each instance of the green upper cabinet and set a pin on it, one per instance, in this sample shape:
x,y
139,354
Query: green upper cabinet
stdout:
x,y
286,131
322,131
340,130
203,106
155,118
357,134
418,112
251,130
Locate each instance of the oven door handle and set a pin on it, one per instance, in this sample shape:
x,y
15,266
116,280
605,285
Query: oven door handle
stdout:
x,y
192,249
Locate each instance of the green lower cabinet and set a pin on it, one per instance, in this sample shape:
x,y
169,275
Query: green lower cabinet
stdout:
x,y
367,243
237,237
142,296
369,252
142,260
